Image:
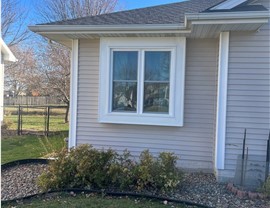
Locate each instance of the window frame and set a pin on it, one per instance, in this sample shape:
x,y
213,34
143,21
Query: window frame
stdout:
x,y
177,47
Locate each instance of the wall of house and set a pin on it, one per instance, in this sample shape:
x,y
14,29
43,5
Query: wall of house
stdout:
x,y
193,143
248,95
1,92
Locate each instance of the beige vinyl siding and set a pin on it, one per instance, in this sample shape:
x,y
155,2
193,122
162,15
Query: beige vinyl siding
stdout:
x,y
193,143
248,94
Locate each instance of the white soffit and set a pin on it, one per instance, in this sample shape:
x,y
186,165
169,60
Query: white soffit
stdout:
x,y
229,4
6,52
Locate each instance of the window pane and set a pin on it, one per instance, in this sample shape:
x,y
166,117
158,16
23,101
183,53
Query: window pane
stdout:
x,y
124,96
125,64
157,65
156,97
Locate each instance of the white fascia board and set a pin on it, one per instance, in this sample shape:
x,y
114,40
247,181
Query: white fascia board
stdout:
x,y
221,114
73,94
8,55
229,4
104,28
233,21
227,15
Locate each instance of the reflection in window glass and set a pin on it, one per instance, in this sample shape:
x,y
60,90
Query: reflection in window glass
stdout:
x,y
125,65
157,65
157,81
156,97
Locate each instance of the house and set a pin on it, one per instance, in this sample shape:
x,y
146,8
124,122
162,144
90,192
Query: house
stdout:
x,y
185,77
6,56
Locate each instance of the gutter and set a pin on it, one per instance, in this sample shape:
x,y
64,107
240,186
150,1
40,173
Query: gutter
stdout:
x,y
260,17
105,28
227,16
8,55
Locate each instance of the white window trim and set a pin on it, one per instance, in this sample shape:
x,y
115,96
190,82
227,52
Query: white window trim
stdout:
x,y
177,78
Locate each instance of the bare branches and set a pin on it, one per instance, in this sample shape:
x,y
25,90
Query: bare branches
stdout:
x,y
55,59
58,10
12,22
22,76
55,65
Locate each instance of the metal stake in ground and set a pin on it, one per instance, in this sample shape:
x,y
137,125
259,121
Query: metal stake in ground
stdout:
x,y
48,121
19,120
243,158
267,158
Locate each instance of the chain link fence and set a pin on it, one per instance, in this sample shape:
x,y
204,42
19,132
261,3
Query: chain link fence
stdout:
x,y
43,120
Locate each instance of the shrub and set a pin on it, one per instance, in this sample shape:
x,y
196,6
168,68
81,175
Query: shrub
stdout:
x,y
168,175
86,167
266,186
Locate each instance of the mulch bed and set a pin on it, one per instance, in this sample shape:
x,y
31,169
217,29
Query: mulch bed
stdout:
x,y
20,181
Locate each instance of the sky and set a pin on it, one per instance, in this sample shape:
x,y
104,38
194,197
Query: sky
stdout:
x,y
123,4
133,4
32,19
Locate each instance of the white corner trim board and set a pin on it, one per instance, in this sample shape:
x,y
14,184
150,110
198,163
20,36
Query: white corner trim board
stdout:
x,y
222,100
229,4
73,94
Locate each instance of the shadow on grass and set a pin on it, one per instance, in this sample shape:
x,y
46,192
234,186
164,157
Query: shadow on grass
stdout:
x,y
31,146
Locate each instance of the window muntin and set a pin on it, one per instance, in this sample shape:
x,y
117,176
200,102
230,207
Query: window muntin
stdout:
x,y
125,68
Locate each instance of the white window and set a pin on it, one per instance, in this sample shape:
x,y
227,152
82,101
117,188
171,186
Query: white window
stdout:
x,y
142,81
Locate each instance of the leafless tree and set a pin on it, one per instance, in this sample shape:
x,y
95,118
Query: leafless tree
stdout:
x,y
13,27
22,76
58,10
55,65
56,58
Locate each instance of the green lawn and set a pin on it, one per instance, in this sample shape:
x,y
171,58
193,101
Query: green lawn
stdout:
x,y
30,146
82,201
36,123
33,119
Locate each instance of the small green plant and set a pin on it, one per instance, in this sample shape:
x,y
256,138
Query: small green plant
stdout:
x,y
266,187
86,167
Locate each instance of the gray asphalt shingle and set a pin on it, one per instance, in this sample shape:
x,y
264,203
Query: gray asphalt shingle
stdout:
x,y
173,13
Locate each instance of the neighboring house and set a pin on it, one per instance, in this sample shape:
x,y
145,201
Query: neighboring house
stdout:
x,y
186,77
6,56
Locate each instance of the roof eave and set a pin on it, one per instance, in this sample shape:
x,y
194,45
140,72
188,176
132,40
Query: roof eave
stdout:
x,y
105,28
227,15
7,54
227,20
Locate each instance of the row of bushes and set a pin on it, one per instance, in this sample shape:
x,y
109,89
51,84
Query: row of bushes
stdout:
x,y
86,167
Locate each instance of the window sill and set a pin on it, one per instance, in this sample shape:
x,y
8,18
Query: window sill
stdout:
x,y
145,119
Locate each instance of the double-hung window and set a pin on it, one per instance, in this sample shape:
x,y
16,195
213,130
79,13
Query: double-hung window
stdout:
x,y
142,81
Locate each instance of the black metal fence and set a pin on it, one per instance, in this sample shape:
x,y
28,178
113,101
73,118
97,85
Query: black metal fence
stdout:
x,y
36,119
252,170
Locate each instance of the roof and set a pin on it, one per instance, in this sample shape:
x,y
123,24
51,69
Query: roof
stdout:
x,y
193,19
173,13
246,6
6,52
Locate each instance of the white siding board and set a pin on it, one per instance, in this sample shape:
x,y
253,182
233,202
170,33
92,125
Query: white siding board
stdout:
x,y
193,143
248,95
